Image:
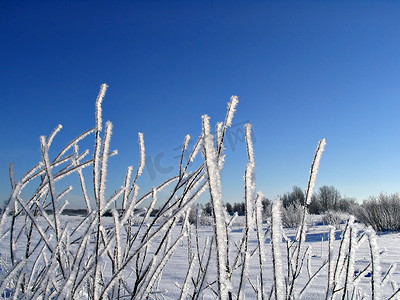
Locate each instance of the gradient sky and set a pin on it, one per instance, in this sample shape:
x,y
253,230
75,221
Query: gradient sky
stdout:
x,y
302,71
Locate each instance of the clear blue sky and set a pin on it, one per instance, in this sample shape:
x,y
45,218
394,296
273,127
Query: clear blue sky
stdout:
x,y
302,71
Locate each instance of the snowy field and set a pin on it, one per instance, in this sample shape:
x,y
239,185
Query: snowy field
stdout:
x,y
169,284
317,239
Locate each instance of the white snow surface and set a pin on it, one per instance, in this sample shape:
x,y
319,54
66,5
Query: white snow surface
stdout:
x,y
174,273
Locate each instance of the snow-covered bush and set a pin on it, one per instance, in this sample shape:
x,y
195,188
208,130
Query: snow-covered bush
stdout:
x,y
45,255
381,212
292,214
101,257
332,218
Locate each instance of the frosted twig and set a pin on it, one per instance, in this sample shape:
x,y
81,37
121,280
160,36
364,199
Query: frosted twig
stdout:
x,y
330,286
104,161
11,275
46,161
11,175
260,240
195,150
375,264
142,154
188,278
249,198
218,133
184,147
214,182
73,143
231,110
53,134
112,199
389,273
394,294
311,279
314,170
75,162
349,282
126,185
301,233
276,240
340,260
228,121
249,178
97,148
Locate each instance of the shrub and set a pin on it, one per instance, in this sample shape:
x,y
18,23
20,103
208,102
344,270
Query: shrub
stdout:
x,y
332,218
292,214
348,205
61,261
381,212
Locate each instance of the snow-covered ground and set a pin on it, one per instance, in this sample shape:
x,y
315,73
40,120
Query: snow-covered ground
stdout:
x,y
169,285
317,239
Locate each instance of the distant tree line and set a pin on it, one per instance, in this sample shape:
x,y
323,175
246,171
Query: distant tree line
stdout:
x,y
238,208
327,198
381,212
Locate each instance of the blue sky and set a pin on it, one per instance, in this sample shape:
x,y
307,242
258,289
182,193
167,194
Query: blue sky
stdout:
x,y
302,71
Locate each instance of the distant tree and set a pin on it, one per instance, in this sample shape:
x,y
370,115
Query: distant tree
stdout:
x,y
204,213
315,206
266,204
296,195
229,208
107,213
329,197
154,212
239,208
207,210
